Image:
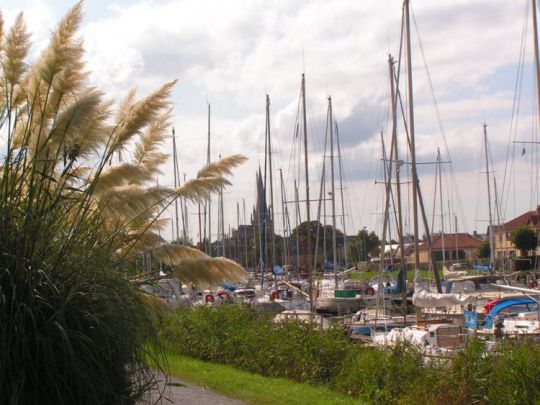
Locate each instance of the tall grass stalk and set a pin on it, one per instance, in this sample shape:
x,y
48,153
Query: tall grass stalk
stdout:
x,y
74,218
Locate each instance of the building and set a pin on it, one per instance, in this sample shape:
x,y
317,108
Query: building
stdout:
x,y
457,246
503,246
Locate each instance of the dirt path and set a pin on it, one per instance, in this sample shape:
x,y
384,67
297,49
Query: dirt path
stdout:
x,y
175,391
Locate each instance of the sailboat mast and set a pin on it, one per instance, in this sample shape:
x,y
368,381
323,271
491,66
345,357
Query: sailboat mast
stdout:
x,y
342,200
209,201
491,236
536,55
222,222
297,225
185,219
411,132
285,258
245,234
271,208
441,198
333,188
201,239
308,257
237,253
417,199
398,185
388,191
176,181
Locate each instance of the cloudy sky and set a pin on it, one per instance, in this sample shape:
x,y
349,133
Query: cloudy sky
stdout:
x,y
466,59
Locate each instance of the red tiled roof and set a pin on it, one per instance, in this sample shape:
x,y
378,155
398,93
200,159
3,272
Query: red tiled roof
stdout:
x,y
531,218
464,241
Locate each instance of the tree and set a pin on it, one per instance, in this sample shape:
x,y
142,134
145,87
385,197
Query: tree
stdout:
x,y
366,243
524,238
324,231
484,250
76,220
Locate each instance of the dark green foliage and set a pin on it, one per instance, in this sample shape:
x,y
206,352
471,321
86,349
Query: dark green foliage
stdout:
x,y
524,238
236,336
366,243
73,329
484,249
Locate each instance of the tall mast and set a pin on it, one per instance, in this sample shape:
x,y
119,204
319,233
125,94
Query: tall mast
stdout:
x,y
498,214
261,221
411,133
536,55
237,253
298,221
245,234
441,198
398,185
332,182
271,174
491,236
222,221
322,202
285,258
209,200
176,236
415,187
388,190
201,238
185,219
308,260
342,200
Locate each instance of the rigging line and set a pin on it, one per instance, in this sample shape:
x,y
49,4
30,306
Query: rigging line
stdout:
x,y
439,121
296,153
478,189
533,177
347,180
434,198
323,179
515,111
292,158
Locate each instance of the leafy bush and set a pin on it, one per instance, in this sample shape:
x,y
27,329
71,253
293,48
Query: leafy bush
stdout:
x,y
237,336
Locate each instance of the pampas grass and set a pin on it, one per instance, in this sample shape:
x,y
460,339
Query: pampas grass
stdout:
x,y
74,223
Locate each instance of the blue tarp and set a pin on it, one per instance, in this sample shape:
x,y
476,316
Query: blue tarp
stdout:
x,y
478,267
471,319
229,287
399,286
503,304
278,270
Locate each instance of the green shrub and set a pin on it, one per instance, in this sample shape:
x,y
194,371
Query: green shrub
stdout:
x,y
73,328
237,336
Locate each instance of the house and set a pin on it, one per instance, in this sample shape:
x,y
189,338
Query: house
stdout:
x,y
457,246
503,246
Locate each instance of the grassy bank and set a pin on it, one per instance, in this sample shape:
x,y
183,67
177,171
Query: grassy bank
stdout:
x,y
235,336
249,387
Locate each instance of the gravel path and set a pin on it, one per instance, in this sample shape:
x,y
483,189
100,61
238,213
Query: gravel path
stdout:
x,y
175,391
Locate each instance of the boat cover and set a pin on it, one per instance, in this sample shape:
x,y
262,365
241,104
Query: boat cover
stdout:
x,y
424,298
503,304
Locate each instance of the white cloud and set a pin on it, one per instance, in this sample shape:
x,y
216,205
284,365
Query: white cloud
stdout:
x,y
232,53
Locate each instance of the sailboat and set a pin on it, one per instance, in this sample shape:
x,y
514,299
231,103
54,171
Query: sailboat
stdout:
x,y
431,336
276,295
333,299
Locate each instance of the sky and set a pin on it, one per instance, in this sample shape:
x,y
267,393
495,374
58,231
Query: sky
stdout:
x,y
467,57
